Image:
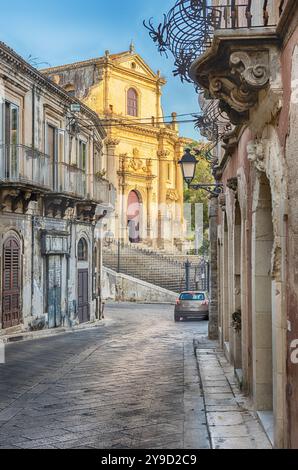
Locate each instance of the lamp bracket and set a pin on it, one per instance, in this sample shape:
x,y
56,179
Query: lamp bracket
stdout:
x,y
213,189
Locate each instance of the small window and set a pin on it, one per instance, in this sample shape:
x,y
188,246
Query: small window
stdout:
x,y
82,155
132,102
82,250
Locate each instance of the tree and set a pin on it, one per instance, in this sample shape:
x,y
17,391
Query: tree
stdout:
x,y
203,175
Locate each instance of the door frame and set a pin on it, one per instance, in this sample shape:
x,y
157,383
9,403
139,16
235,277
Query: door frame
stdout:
x,y
81,319
8,238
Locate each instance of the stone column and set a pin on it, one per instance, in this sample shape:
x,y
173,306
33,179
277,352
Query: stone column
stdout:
x,y
162,195
112,168
149,221
213,305
111,145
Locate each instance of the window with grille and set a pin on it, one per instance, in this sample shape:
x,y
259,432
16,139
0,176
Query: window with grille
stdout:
x,y
82,250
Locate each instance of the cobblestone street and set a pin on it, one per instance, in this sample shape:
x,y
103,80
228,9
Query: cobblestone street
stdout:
x,y
132,383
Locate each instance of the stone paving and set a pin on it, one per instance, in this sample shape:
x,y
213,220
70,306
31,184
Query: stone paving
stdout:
x,y
231,423
132,383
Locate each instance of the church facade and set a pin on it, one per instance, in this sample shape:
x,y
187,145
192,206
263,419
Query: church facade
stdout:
x,y
142,148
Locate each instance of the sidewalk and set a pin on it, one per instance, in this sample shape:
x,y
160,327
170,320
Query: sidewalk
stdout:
x,y
231,423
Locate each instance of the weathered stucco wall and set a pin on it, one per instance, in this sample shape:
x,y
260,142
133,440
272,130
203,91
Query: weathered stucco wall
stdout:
x,y
124,288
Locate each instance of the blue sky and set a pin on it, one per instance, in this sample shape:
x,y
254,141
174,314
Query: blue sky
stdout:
x,y
64,31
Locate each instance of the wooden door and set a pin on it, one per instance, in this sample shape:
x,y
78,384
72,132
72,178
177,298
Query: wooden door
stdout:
x,y
11,283
83,296
54,291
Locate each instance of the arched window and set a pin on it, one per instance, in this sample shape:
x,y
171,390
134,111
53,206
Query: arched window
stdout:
x,y
132,102
82,250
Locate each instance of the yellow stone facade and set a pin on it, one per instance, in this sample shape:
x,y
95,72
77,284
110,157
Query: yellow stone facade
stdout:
x,y
142,151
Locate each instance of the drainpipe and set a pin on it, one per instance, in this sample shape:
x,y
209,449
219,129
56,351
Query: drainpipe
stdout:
x,y
99,304
32,217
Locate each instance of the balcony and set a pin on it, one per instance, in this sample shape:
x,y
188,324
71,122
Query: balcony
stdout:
x,y
188,29
103,191
23,166
71,180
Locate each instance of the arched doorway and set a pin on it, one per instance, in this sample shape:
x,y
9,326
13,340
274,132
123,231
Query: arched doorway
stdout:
x,y
237,313
11,289
263,237
134,217
225,280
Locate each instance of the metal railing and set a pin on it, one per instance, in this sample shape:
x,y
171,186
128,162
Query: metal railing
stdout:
x,y
188,28
24,165
103,191
71,180
167,270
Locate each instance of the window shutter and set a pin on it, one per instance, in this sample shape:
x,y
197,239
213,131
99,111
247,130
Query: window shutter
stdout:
x,y
61,146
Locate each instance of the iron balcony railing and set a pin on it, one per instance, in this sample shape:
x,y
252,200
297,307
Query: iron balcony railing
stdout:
x,y
71,180
24,165
188,28
103,191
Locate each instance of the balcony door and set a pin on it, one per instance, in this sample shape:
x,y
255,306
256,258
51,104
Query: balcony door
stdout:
x,y
52,151
10,165
54,290
11,288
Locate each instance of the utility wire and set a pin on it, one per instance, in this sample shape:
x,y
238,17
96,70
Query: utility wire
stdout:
x,y
150,118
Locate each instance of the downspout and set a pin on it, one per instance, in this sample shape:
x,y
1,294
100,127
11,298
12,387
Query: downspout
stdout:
x,y
32,217
99,304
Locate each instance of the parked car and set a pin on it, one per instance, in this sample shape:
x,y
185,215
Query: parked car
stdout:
x,y
192,306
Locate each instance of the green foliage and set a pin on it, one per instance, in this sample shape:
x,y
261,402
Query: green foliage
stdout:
x,y
203,175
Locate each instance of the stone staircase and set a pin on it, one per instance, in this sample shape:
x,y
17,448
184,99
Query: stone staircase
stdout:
x,y
159,268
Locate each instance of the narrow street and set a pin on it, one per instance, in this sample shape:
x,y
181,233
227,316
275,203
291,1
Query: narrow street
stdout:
x,y
132,383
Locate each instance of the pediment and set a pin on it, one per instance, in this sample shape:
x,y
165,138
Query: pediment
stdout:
x,y
135,63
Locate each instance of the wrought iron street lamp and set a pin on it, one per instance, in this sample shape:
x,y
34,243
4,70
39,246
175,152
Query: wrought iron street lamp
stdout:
x,y
188,165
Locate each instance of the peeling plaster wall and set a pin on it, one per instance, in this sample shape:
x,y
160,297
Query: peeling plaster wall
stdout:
x,y
34,295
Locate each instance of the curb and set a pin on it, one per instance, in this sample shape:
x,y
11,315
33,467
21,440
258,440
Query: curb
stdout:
x,y
31,335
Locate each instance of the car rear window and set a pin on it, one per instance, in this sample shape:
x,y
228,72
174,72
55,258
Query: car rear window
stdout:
x,y
196,296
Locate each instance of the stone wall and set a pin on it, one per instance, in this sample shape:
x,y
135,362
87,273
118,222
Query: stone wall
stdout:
x,y
123,288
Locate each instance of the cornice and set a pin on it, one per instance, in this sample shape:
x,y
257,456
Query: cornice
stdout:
x,y
11,57
136,176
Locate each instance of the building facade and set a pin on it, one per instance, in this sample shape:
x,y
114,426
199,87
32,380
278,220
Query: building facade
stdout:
x,y
250,71
141,151
50,193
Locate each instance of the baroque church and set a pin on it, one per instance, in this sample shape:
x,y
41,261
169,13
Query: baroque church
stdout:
x,y
142,149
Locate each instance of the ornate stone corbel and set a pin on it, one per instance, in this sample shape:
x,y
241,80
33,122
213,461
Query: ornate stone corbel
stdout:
x,y
237,84
252,66
256,155
239,97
